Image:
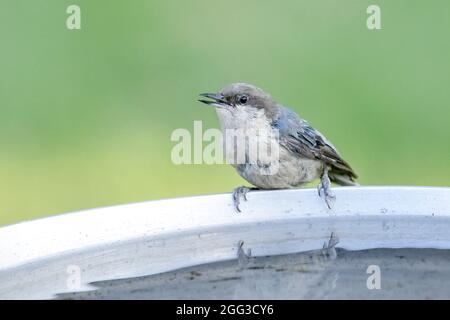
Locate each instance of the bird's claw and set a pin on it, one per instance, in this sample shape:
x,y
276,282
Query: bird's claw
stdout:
x,y
238,193
327,195
324,190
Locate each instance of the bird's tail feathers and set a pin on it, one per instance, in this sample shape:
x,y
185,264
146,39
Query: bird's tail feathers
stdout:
x,y
342,179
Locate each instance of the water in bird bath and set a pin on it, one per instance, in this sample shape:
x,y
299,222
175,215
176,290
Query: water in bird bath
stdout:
x,y
320,274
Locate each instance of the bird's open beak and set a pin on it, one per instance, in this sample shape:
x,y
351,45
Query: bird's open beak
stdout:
x,y
217,99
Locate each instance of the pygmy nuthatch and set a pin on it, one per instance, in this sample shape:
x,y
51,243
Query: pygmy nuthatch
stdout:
x,y
304,154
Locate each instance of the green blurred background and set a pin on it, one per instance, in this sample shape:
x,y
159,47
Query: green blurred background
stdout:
x,y
86,116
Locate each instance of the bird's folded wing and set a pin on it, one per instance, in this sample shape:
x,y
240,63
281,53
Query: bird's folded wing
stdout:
x,y
297,136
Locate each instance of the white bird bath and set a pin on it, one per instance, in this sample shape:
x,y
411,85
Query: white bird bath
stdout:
x,y
187,248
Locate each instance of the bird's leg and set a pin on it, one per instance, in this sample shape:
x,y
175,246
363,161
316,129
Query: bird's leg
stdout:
x,y
240,193
324,188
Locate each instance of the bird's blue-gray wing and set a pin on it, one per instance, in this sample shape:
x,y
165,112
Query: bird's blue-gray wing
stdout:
x,y
297,136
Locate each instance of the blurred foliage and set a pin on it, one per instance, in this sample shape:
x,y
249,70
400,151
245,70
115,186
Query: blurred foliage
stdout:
x,y
86,116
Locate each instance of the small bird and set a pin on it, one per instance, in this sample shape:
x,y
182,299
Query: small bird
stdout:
x,y
304,153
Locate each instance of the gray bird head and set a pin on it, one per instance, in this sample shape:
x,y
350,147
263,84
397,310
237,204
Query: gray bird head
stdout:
x,y
238,99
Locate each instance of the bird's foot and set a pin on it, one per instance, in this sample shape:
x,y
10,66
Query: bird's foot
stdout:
x,y
243,257
238,194
324,190
327,195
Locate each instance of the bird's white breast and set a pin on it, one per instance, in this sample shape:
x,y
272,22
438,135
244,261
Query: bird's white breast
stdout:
x,y
241,117
251,125
289,171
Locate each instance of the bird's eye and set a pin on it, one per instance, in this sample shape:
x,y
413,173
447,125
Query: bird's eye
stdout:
x,y
243,99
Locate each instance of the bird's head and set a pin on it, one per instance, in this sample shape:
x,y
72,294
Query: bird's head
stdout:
x,y
238,99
